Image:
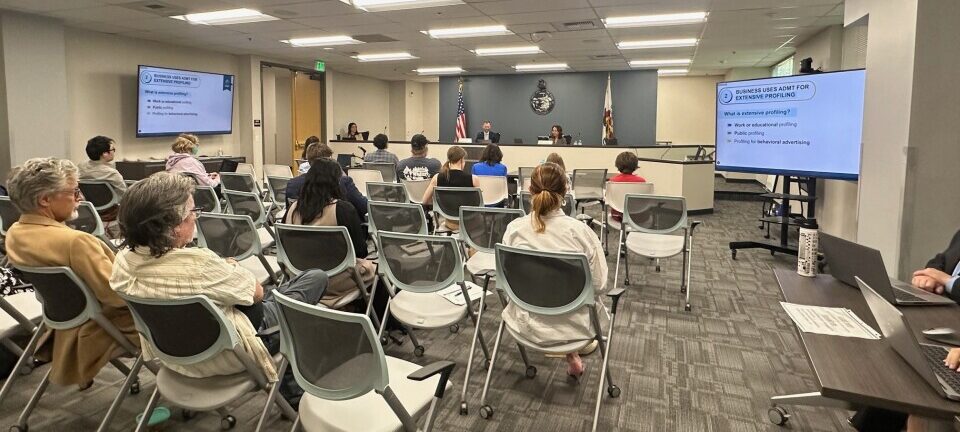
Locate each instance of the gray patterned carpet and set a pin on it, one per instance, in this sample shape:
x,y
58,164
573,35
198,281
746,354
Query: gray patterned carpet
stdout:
x,y
712,369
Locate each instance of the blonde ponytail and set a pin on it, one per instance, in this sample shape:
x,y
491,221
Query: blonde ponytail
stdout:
x,y
548,184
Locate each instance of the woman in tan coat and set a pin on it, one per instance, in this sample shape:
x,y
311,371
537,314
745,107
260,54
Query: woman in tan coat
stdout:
x,y
46,192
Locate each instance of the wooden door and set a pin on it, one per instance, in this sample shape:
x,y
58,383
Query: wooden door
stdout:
x,y
306,97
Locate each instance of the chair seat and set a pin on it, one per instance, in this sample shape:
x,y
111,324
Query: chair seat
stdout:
x,y
253,264
370,412
347,299
27,304
553,349
614,224
266,240
425,310
203,394
654,245
481,262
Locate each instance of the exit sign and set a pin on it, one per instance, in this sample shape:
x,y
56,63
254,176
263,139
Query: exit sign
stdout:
x,y
319,66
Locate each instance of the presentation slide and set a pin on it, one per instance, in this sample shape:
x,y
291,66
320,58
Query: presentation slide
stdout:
x,y
799,125
172,101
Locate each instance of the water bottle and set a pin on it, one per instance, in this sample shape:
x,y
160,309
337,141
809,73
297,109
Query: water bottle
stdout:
x,y
220,151
807,249
579,140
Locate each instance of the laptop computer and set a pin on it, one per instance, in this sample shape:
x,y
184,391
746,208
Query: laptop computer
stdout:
x,y
926,359
345,160
518,140
228,166
849,260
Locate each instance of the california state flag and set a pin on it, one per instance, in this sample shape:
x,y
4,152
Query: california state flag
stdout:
x,y
607,115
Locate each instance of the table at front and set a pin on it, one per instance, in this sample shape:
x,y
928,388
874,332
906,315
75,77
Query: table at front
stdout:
x,y
856,372
141,169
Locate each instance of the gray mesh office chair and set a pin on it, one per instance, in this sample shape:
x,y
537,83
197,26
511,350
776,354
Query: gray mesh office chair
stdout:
x,y
277,192
8,214
188,331
387,192
99,192
550,283
387,170
615,194
347,378
523,178
22,314
448,200
494,188
206,198
234,236
649,226
238,181
69,303
249,204
89,222
587,188
396,217
416,189
568,207
362,176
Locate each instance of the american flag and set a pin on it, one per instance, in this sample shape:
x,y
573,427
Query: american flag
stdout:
x,y
461,114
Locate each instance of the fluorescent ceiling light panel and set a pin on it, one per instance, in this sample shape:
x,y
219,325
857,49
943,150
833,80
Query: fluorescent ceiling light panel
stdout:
x,y
515,50
388,5
462,32
657,63
226,17
385,57
439,70
672,71
655,20
661,43
322,41
540,67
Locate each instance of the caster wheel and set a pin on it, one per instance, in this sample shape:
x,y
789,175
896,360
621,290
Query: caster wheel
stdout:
x,y
613,391
463,408
658,269
19,429
626,282
455,328
486,412
688,308
383,341
531,372
733,254
135,388
419,350
228,422
778,416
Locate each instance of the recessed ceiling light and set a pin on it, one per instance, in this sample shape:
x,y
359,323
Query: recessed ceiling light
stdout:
x,y
657,63
225,17
321,41
388,5
661,43
461,32
655,20
384,57
672,71
515,50
439,70
540,67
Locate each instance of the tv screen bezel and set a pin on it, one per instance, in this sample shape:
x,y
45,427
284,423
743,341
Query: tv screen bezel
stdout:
x,y
233,95
799,173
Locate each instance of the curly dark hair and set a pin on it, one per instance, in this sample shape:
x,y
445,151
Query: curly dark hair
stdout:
x,y
152,208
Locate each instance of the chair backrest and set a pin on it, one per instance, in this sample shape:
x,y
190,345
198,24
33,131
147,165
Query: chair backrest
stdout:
x,y
277,187
334,355
8,214
246,203
67,301
569,205
100,193
388,171
546,283
306,247
483,227
239,181
387,192
616,192
416,189
448,200
420,263
396,217
183,331
493,188
273,170
227,235
362,176
588,183
206,198
655,214
246,168
524,177
87,220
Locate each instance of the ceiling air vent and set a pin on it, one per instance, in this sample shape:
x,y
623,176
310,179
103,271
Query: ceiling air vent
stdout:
x,y
155,7
373,38
575,25
606,57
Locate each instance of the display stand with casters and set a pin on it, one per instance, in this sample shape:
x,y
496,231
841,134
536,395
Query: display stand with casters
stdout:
x,y
785,220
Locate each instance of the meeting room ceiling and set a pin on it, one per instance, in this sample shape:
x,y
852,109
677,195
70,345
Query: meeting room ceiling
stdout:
x,y
736,33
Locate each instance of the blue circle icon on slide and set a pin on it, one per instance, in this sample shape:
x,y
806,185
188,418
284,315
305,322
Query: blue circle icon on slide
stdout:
x,y
146,77
726,96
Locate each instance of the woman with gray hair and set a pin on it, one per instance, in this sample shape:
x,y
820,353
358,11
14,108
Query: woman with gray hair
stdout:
x,y
158,219
46,192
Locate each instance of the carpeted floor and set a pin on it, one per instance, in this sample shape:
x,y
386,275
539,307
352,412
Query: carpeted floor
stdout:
x,y
712,369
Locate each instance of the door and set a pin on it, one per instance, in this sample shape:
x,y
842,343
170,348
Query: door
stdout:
x,y
306,97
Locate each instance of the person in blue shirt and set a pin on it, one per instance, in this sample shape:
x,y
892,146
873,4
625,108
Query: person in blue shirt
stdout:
x,y
489,164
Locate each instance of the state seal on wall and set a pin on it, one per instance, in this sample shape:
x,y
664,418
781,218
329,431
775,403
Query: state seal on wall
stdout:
x,y
542,101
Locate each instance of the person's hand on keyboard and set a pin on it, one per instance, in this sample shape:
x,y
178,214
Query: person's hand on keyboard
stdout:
x,y
930,279
953,359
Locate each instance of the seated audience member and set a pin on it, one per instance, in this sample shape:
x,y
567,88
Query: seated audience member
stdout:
x,y
321,204
381,155
45,192
489,163
451,175
183,160
418,166
158,218
555,158
547,228
626,163
305,165
348,188
101,151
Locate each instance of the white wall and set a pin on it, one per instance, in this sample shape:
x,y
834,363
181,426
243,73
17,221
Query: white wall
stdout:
x,y
824,47
686,109
353,98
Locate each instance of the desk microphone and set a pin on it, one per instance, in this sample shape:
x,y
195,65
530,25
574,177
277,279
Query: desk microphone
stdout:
x,y
362,149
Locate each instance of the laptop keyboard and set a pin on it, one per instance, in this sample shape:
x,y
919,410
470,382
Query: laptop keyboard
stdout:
x,y
935,355
903,296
